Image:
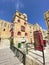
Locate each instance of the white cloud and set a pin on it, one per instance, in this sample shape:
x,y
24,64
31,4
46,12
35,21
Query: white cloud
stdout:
x,y
18,5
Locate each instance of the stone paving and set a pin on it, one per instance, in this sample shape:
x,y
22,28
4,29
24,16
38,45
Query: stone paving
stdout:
x,y
37,55
7,57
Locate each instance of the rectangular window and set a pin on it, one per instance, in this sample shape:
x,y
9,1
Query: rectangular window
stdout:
x,y
8,26
48,26
1,23
23,28
5,24
26,34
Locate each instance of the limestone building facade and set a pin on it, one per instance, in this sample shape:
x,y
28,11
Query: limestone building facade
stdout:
x,y
4,29
23,30
46,17
45,35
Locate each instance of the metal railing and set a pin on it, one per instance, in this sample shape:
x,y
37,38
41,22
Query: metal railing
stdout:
x,y
22,56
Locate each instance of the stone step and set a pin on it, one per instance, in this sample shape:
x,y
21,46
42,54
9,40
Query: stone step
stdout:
x,y
7,57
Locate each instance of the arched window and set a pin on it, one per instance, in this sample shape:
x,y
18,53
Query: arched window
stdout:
x,y
19,14
3,29
19,33
18,20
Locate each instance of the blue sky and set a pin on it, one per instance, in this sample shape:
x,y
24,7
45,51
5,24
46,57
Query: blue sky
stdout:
x,y
33,8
